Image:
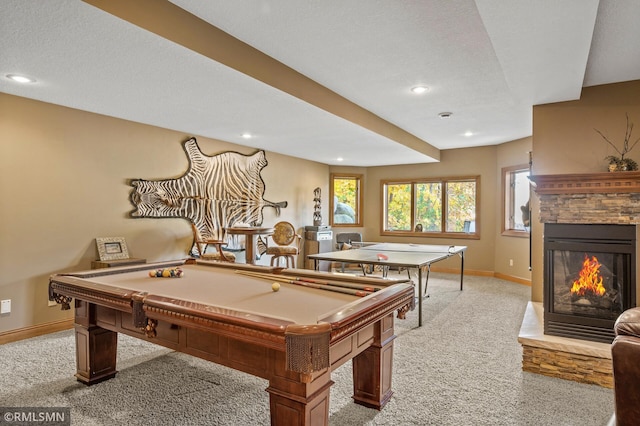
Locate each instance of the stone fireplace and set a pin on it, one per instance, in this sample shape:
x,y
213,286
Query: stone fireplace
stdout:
x,y
596,199
571,207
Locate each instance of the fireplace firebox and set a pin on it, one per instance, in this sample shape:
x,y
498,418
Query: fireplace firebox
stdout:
x,y
589,278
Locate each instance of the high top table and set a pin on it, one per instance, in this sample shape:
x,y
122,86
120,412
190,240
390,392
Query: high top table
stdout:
x,y
250,233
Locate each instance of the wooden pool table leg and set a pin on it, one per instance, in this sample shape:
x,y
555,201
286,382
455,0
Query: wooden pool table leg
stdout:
x,y
372,369
300,404
96,347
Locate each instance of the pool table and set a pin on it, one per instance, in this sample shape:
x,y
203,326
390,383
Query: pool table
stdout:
x,y
293,337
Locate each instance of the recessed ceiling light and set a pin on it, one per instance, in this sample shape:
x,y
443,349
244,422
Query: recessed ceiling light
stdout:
x,y
445,115
468,133
247,135
419,89
339,159
20,78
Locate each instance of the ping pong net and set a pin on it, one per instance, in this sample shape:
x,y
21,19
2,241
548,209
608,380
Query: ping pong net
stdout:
x,y
401,247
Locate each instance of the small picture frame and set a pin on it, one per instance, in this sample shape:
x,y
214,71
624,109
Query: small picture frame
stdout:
x,y
112,248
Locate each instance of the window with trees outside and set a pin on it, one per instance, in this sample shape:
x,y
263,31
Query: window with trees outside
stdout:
x,y
434,207
516,211
345,200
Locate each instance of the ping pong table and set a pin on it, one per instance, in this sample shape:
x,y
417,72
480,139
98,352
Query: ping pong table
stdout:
x,y
419,256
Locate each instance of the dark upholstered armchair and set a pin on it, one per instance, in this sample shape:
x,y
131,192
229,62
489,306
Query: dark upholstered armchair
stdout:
x,y
625,354
347,238
345,241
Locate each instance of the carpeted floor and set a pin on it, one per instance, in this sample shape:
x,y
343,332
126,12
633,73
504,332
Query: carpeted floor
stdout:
x,y
462,367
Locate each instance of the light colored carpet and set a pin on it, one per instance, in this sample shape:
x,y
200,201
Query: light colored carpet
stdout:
x,y
462,367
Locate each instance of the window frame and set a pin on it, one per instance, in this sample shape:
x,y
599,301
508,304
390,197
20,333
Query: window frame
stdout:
x,y
444,207
508,206
359,199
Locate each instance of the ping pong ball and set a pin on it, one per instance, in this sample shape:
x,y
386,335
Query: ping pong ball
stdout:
x,y
275,286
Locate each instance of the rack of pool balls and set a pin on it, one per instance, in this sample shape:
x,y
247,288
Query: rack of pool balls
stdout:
x,y
166,273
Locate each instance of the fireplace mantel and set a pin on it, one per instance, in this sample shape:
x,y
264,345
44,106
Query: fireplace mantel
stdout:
x,y
587,183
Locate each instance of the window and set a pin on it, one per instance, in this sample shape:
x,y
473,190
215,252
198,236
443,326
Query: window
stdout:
x,y
345,200
515,190
432,207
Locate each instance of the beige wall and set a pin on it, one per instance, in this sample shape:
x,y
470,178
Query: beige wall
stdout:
x,y
508,247
455,162
484,255
564,142
63,182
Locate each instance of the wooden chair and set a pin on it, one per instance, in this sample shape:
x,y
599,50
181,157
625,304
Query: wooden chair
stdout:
x,y
202,244
285,243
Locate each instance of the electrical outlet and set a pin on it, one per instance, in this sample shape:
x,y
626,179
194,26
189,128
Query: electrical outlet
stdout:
x,y
510,262
51,303
5,306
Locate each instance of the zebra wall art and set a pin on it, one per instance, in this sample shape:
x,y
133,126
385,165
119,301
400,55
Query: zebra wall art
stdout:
x,y
215,192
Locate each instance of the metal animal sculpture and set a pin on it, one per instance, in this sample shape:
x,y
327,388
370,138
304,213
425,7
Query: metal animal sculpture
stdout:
x,y
215,192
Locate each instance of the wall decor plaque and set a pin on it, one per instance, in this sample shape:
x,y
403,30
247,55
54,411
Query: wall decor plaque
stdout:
x,y
112,248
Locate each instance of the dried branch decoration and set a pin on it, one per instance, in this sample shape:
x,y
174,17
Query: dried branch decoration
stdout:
x,y
627,138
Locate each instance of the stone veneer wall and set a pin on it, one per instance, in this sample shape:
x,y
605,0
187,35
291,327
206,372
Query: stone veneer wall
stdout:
x,y
609,208
569,366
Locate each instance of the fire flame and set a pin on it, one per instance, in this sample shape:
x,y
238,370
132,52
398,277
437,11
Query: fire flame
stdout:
x,y
590,280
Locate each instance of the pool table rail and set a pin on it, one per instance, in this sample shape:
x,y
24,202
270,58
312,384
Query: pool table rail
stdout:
x,y
75,287
361,313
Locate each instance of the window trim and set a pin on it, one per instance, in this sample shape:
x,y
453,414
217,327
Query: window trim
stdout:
x,y
359,199
506,202
426,234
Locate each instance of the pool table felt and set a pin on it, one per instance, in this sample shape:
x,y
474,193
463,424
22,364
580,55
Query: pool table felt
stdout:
x,y
224,288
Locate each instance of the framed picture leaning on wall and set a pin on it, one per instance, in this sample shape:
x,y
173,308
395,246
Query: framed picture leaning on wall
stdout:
x,y
112,248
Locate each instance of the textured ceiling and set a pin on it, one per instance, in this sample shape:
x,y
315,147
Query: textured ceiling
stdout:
x,y
329,79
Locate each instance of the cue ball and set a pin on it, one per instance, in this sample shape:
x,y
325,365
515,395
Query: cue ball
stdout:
x,y
275,286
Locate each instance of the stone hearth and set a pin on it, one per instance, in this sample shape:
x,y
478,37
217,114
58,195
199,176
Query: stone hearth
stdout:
x,y
570,359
